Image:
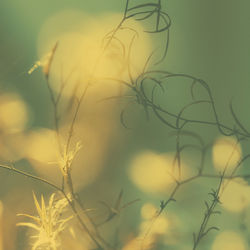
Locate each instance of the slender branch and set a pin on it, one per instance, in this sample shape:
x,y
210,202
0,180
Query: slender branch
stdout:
x,y
99,241
30,176
210,210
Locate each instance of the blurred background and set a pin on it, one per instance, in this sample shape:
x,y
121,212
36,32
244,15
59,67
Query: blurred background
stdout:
x,y
208,39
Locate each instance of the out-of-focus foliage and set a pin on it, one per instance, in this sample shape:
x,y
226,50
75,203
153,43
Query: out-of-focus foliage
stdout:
x,y
124,108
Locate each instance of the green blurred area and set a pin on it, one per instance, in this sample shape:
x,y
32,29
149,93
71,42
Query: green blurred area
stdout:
x,y
208,39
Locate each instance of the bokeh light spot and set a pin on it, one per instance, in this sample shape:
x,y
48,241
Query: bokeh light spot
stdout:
x,y
154,173
13,113
229,241
148,211
86,53
226,153
236,195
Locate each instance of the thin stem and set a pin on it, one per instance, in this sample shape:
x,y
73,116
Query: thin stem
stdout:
x,y
99,241
30,176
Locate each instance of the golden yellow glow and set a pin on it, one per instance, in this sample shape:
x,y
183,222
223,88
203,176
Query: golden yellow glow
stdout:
x,y
154,173
95,136
226,153
148,211
1,225
13,113
164,226
236,195
13,121
158,226
83,53
140,243
85,57
41,148
68,242
229,241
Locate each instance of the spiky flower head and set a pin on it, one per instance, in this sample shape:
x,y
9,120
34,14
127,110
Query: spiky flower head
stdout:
x,y
45,62
48,224
67,158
